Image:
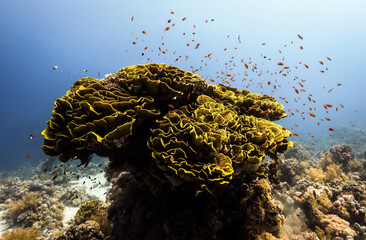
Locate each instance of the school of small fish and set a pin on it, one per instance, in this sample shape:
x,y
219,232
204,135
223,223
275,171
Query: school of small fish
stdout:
x,y
250,72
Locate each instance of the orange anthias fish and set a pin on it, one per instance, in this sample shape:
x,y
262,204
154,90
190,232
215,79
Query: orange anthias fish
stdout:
x,y
28,156
254,106
297,91
262,137
311,114
225,112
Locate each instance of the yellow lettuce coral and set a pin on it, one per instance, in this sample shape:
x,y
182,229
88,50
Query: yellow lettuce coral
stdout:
x,y
163,120
205,144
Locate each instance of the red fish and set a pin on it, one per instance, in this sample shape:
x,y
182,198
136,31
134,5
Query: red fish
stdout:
x,y
28,156
254,106
225,112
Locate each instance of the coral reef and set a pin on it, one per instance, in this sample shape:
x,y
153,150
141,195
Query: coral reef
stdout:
x,y
30,233
37,202
90,230
28,203
298,152
95,210
343,155
87,210
193,152
328,196
336,226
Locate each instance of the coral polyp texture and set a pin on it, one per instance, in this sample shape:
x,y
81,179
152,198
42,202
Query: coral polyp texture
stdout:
x,y
167,127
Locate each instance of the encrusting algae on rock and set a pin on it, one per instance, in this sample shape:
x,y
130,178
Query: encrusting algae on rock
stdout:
x,y
182,142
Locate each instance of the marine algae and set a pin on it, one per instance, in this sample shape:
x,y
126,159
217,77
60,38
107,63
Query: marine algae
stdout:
x,y
30,233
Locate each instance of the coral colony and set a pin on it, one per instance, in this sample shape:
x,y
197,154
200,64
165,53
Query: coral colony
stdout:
x,y
186,155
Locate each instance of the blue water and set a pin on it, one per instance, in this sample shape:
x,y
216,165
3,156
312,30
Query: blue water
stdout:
x,y
94,35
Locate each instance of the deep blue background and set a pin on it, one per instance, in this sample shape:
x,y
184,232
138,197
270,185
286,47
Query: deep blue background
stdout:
x,y
93,35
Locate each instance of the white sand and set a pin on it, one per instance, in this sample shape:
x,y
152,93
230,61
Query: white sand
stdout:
x,y
3,224
93,188
69,213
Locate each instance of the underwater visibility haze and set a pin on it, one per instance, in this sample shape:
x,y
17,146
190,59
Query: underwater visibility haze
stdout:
x,y
258,103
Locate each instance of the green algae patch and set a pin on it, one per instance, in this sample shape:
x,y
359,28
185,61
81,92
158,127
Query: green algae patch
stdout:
x,y
88,209
167,125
